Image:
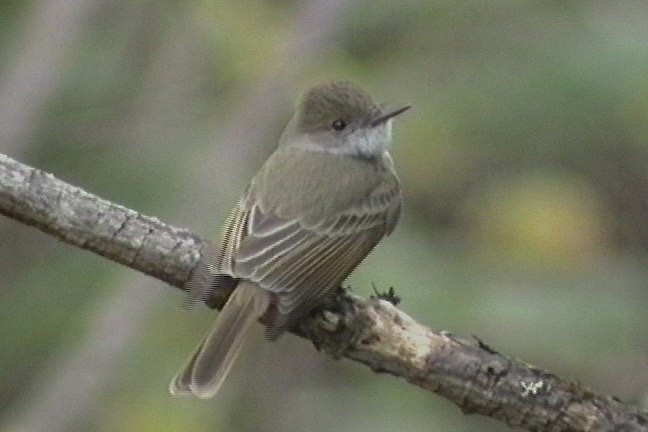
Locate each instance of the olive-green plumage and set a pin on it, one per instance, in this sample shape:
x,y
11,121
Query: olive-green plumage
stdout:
x,y
317,207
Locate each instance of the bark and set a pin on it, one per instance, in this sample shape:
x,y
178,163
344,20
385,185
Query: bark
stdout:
x,y
373,332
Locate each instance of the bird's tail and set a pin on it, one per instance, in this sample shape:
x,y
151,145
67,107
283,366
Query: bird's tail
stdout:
x,y
207,368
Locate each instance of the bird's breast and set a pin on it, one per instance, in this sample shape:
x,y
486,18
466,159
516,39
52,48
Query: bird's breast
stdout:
x,y
299,184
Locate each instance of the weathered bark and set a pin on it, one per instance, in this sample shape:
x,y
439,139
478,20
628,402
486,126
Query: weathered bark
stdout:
x,y
372,332
77,217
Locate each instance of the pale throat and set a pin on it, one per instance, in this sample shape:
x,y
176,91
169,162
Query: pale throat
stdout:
x,y
363,142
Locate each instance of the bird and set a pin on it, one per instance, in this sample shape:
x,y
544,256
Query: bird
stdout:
x,y
317,207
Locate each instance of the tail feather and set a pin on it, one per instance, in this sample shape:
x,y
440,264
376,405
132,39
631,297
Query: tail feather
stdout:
x,y
181,383
207,368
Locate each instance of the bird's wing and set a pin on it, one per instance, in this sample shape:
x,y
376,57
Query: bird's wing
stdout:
x,y
302,262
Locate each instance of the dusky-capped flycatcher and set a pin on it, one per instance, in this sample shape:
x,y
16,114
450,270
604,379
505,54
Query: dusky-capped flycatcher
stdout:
x,y
318,206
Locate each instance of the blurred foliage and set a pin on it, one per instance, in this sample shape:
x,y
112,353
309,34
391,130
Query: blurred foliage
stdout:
x,y
524,164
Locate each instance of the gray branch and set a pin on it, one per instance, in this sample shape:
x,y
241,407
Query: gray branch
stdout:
x,y
372,332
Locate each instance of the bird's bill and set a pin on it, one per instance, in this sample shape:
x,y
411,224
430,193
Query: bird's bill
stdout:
x,y
384,117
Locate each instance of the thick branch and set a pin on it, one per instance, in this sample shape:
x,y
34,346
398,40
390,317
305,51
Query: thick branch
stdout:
x,y
85,220
372,332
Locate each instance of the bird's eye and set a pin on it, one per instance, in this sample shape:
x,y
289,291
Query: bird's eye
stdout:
x,y
338,124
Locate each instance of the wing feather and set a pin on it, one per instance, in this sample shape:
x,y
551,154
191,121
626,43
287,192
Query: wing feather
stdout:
x,y
319,283
301,261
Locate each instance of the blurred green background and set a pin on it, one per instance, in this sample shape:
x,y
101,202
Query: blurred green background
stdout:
x,y
524,165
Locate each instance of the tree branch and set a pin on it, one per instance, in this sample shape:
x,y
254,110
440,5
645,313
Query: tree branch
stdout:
x,y
372,332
